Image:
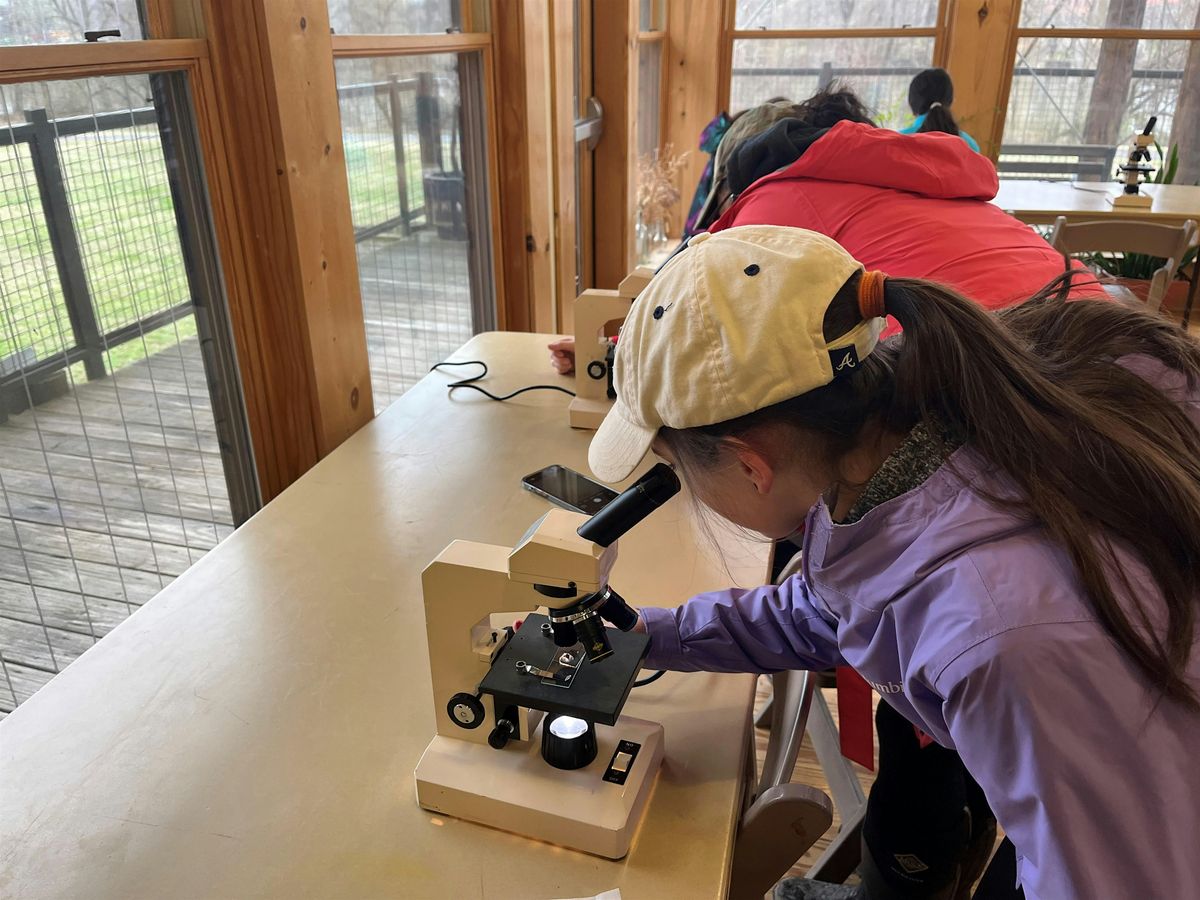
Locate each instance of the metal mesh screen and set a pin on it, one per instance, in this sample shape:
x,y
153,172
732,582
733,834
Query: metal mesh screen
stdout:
x,y
1053,102
111,477
878,69
403,131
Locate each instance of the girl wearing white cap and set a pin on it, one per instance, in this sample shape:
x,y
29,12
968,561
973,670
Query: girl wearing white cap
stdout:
x,y
1001,523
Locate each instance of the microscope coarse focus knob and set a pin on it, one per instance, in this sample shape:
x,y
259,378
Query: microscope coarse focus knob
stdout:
x,y
465,710
597,370
501,733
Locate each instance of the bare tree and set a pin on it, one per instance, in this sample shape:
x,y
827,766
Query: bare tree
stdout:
x,y
1186,129
1114,71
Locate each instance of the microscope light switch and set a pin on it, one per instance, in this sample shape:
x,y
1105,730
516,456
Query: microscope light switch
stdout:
x,y
621,762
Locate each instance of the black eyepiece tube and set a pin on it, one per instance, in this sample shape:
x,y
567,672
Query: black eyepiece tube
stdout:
x,y
636,502
1150,126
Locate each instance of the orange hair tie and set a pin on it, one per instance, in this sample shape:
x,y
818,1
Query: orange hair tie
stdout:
x,y
870,294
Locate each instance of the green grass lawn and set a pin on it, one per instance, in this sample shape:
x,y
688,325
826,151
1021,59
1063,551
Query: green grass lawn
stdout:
x,y
122,213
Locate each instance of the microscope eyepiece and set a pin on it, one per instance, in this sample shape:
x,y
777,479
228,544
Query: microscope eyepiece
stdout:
x,y
636,502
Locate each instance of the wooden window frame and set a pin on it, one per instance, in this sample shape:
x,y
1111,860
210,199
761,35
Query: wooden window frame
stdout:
x,y
730,33
54,62
287,273
364,46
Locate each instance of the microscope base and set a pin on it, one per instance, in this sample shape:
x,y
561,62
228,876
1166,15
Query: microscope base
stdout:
x,y
516,790
1131,201
587,413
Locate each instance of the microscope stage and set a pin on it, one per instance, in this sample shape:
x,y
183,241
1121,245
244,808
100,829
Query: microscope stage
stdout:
x,y
598,691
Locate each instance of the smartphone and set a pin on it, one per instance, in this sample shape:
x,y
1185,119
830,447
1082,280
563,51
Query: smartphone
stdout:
x,y
568,488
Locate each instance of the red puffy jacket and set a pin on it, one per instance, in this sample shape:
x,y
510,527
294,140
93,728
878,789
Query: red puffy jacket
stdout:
x,y
911,205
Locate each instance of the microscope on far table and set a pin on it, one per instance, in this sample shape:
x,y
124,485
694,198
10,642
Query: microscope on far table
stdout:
x,y
1135,168
528,735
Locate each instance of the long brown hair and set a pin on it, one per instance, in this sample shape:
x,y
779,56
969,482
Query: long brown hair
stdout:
x,y
1100,457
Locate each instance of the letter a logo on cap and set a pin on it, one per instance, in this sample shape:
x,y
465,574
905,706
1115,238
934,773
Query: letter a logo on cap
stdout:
x,y
843,360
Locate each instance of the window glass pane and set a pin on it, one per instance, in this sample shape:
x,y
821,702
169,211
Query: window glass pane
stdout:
x,y
649,96
394,16
1091,95
113,479
413,139
651,15
878,69
779,14
56,22
1110,14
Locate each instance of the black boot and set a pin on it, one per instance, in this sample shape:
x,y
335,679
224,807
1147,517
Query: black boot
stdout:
x,y
876,883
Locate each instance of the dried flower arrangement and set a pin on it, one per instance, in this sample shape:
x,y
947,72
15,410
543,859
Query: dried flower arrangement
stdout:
x,y
657,191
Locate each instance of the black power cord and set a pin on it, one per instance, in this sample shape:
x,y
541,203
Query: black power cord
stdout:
x,y
649,679
470,382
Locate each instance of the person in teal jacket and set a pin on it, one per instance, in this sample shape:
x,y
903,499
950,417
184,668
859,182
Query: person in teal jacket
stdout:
x,y
930,96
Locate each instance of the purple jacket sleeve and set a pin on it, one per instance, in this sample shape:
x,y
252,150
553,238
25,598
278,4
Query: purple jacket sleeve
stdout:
x,y
767,629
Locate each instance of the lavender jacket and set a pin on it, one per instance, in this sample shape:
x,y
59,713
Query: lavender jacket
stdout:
x,y
976,629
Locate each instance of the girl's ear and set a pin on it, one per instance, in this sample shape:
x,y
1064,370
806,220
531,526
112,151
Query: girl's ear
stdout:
x,y
753,465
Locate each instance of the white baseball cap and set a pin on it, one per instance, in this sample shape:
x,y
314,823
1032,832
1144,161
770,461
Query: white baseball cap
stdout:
x,y
734,323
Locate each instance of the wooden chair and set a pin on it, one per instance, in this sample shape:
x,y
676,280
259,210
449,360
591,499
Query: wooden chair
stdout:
x,y
843,854
1168,242
780,820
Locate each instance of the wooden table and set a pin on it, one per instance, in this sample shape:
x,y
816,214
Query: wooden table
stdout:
x,y
252,731
1041,202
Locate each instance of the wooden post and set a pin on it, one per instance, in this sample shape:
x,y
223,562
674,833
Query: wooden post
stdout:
x,y
64,242
394,105
429,126
694,38
614,36
516,245
981,46
283,205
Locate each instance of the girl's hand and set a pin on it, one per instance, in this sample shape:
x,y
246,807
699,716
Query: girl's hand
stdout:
x,y
640,627
562,355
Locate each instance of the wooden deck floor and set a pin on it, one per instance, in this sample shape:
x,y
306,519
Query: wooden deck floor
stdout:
x,y
106,495
110,492
416,306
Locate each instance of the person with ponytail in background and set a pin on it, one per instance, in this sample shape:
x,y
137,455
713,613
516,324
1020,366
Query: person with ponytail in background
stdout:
x,y
1001,532
929,97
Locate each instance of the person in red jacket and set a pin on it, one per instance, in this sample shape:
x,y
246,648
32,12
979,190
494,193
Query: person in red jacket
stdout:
x,y
911,205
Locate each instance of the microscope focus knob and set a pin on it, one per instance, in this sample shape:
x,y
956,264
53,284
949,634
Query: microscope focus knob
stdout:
x,y
596,369
465,710
505,728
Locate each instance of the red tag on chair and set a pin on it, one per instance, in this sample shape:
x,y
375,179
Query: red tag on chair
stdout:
x,y
856,725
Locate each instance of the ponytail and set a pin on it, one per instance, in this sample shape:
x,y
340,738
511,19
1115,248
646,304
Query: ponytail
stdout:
x,y
930,95
1097,456
1101,457
939,118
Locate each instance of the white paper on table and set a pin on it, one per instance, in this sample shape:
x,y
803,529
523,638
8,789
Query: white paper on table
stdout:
x,y
614,894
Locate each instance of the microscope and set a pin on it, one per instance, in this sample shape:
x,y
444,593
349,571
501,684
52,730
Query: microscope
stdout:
x,y
1133,170
598,315
530,737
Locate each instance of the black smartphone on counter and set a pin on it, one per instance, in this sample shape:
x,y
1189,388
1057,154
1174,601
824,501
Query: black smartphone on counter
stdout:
x,y
569,489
